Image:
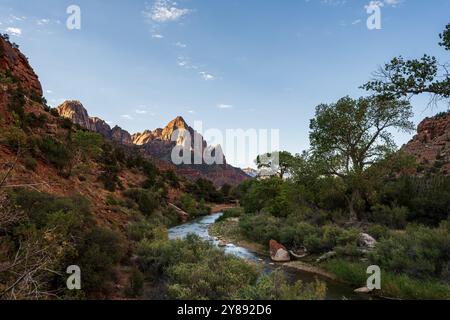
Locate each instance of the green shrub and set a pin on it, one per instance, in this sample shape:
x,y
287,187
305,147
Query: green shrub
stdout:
x,y
141,230
14,137
231,213
192,207
392,217
101,250
260,228
88,143
420,252
392,284
378,231
30,163
135,287
55,152
148,201
275,287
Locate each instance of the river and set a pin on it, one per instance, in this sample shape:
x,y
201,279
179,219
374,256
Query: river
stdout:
x,y
200,226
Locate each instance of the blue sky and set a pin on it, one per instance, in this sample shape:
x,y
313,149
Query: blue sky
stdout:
x,y
259,64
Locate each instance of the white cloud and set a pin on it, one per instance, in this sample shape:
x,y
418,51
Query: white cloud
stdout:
x,y
127,116
191,111
356,21
49,91
165,11
180,45
224,106
393,3
42,22
139,111
157,36
374,5
14,31
207,76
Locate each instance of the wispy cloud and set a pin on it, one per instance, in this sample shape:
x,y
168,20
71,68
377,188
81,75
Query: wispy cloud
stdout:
x,y
165,11
140,111
14,31
356,21
127,116
224,106
180,45
157,36
42,22
207,76
393,3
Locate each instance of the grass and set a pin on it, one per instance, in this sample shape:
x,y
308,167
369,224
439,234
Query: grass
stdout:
x,y
392,285
231,213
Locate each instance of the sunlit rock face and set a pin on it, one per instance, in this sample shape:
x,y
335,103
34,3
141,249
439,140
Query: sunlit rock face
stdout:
x,y
431,145
159,144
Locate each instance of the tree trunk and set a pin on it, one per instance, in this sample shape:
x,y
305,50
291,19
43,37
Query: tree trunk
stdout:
x,y
351,204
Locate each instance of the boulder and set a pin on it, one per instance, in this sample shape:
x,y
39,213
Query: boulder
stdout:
x,y
367,241
222,243
278,252
363,290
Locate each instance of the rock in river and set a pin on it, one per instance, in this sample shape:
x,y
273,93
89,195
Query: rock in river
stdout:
x,y
278,252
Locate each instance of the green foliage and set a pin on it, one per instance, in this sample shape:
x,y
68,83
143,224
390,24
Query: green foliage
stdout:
x,y
195,269
30,163
275,287
110,168
203,189
147,201
64,229
144,229
420,252
55,152
100,251
445,37
392,217
270,195
14,137
231,213
135,287
194,208
427,198
88,143
392,284
285,162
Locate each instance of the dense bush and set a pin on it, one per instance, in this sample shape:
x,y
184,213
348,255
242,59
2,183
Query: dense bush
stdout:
x,y
203,189
420,252
101,250
110,168
275,287
147,201
427,198
55,152
392,217
192,207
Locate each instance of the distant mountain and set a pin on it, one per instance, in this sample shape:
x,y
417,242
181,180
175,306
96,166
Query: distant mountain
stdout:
x,y
251,172
158,144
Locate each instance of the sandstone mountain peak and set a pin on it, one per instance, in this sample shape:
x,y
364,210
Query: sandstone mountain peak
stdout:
x,y
157,144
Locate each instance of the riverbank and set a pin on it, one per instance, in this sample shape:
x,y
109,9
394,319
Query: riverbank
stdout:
x,y
228,232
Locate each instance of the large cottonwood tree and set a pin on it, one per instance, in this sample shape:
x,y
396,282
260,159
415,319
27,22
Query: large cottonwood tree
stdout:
x,y
350,135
